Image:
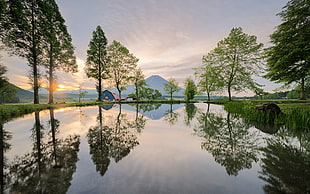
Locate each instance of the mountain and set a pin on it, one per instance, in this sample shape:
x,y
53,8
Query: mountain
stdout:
x,y
154,82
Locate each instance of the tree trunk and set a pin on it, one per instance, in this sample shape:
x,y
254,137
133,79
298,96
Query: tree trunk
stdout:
x,y
99,89
302,87
51,78
208,96
34,57
229,92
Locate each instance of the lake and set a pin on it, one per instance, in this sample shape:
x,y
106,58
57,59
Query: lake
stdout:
x,y
150,148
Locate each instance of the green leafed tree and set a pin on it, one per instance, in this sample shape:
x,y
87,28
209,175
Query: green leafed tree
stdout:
x,y
23,32
171,87
288,60
60,51
7,91
238,57
122,66
190,89
139,82
96,65
209,76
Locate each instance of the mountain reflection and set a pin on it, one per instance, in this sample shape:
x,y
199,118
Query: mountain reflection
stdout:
x,y
228,139
111,138
285,165
51,164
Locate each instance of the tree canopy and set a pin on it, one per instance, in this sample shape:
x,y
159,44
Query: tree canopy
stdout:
x,y
122,65
239,57
288,60
171,87
96,65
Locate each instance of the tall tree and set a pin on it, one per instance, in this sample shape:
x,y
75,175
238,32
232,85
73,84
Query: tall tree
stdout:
x,y
190,89
23,33
96,65
139,82
288,59
171,87
209,75
60,50
238,56
122,65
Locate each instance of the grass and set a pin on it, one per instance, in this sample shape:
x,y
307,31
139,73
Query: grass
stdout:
x,y
294,114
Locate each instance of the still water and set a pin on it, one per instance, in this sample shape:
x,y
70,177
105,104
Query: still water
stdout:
x,y
193,148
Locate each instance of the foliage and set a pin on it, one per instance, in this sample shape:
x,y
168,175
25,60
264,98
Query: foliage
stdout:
x,y
171,87
237,57
139,82
97,65
60,51
209,75
24,30
122,65
190,89
288,59
7,91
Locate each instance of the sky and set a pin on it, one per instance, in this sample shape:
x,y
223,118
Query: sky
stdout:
x,y
169,37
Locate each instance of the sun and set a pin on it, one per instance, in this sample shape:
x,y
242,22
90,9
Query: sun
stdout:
x,y
60,87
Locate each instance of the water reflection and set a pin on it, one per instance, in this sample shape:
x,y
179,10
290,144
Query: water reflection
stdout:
x,y
228,139
285,164
5,137
190,110
171,116
111,138
42,171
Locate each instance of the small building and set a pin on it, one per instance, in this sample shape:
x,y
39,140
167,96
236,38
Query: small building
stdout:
x,y
109,95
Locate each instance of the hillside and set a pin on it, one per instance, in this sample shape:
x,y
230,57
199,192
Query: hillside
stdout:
x,y
154,82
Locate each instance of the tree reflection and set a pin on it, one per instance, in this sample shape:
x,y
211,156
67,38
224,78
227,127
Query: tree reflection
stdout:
x,y
5,136
190,110
171,117
140,120
285,166
228,140
42,171
110,138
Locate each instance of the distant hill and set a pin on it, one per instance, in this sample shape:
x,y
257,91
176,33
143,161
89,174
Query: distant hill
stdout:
x,y
154,82
19,96
23,94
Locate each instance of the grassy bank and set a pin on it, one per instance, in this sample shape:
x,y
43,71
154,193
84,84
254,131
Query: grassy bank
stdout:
x,y
294,114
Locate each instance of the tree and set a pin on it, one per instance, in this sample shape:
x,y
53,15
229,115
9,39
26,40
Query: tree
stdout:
x,y
96,65
23,32
122,65
171,87
209,76
7,91
60,50
238,57
139,82
190,90
288,59
82,93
